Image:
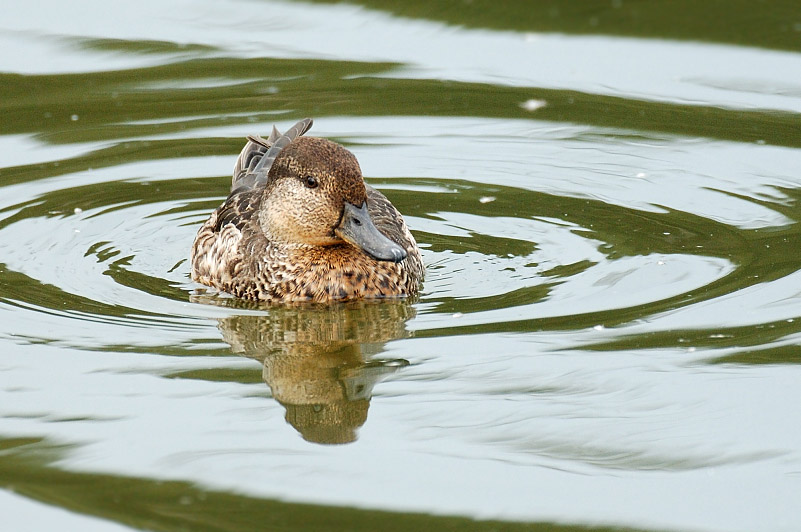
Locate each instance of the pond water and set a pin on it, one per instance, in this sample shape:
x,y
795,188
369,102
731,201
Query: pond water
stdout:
x,y
607,196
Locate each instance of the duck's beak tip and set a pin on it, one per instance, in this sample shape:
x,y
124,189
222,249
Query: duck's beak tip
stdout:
x,y
357,228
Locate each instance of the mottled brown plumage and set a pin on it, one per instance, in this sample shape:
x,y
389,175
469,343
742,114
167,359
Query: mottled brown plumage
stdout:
x,y
300,224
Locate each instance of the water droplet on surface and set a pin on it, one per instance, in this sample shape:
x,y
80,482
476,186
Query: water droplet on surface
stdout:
x,y
533,105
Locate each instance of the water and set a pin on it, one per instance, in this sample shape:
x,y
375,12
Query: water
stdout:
x,y
607,198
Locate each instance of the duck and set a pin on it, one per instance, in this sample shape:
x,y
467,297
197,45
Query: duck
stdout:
x,y
301,225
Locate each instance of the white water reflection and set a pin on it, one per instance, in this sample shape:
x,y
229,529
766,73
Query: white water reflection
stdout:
x,y
649,69
567,435
33,516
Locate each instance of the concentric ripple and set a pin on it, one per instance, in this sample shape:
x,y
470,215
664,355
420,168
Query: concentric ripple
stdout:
x,y
608,330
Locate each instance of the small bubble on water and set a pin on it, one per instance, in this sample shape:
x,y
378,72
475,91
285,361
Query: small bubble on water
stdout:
x,y
74,118
533,105
660,262
457,314
790,320
691,350
77,210
486,199
599,328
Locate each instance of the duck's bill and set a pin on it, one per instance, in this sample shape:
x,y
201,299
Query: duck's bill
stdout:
x,y
358,229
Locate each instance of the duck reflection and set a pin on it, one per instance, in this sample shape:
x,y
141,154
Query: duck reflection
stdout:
x,y
319,362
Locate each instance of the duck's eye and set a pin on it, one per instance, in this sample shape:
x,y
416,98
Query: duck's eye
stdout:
x,y
310,181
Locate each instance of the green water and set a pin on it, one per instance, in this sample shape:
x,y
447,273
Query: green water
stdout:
x,y
607,199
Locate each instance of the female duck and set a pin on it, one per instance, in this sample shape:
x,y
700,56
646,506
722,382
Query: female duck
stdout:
x,y
300,224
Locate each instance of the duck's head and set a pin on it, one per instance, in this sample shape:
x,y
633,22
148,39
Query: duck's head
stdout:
x,y
315,195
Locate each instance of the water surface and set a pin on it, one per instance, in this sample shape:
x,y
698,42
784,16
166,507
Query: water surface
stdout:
x,y
607,200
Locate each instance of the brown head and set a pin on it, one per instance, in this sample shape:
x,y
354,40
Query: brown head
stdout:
x,y
315,195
